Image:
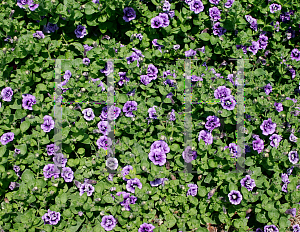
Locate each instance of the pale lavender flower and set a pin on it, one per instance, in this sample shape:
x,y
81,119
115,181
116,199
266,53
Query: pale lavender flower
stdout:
x,y
278,106
48,124
7,137
293,157
39,35
293,138
88,114
88,188
7,94
206,137
268,89
132,184
275,7
197,6
28,101
51,217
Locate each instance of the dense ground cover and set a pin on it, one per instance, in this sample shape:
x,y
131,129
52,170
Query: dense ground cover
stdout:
x,y
152,46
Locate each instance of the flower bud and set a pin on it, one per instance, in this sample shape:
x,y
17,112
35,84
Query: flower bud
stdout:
x,y
143,202
148,192
266,155
131,216
35,188
162,137
51,192
55,184
144,168
123,209
160,222
83,89
98,199
102,213
37,155
79,95
171,139
71,107
133,119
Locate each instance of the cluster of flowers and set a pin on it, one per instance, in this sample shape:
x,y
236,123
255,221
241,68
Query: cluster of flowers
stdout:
x,y
127,199
29,3
27,102
51,217
285,179
158,151
228,102
152,72
212,123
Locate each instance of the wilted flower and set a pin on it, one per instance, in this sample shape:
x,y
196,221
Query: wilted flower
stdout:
x,y
129,14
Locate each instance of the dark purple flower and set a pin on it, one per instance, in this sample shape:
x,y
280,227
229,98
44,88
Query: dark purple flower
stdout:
x,y
13,185
278,106
51,217
268,89
235,197
86,61
254,47
16,169
7,137
197,6
252,21
154,42
193,189
145,79
259,230
189,155
212,122
67,174
228,103
271,228
128,107
165,18
88,114
233,148
158,181
216,2
152,71
50,28
229,3
48,124
295,54
268,127
7,94
190,52
129,14
214,13
132,184
290,170
104,127
146,228
162,145
284,188
218,30
125,171
28,101
88,188
31,5
22,3
274,7
80,31
49,171
206,137
189,2
158,157
39,35
263,41
172,116
293,72
296,228
285,178
157,22
248,183
293,157
258,145
104,142
276,26
87,48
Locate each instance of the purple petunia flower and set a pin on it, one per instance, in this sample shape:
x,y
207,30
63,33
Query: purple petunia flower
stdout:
x,y
254,47
290,170
128,107
51,217
50,28
235,197
146,228
48,124
88,188
274,7
52,149
268,127
295,54
189,155
258,230
132,184
234,149
206,137
218,30
7,137
293,138
125,171
268,89
28,101
275,140
197,6
285,178
172,116
129,14
110,177
176,47
296,228
166,6
228,103
13,185
87,48
145,79
49,171
154,42
229,3
190,52
7,94
214,13
263,41
103,115
165,18
104,127
248,183
162,145
108,222
278,106
252,21
152,112
123,78
86,61
189,2
193,189
39,35
293,157
157,22
271,228
258,145
67,174
152,72
212,122
293,72
222,92
104,142
31,5
158,181
88,114
284,188
158,157
80,31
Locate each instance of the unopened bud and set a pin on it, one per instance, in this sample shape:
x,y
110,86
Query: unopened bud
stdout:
x,y
171,139
35,188
144,168
37,155
102,213
79,95
55,184
148,192
83,89
133,119
123,209
98,199
51,192
143,202
27,72
266,155
162,137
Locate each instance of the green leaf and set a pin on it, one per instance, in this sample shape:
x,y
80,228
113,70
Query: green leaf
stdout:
x,y
162,90
123,98
24,126
2,150
81,151
102,19
202,191
108,199
23,148
170,220
78,46
204,36
213,40
89,8
28,176
20,113
259,72
288,103
175,147
63,198
41,87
